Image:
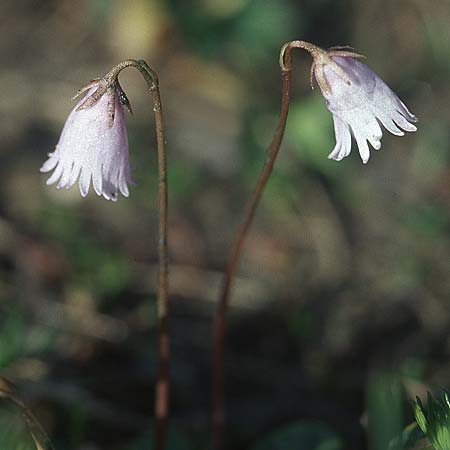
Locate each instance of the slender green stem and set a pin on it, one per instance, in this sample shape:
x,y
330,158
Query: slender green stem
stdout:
x,y
162,394
219,322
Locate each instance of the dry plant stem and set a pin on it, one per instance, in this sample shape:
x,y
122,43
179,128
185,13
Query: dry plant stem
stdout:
x,y
219,323
162,396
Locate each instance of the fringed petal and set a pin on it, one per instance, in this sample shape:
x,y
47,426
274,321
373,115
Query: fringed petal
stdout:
x,y
89,149
361,105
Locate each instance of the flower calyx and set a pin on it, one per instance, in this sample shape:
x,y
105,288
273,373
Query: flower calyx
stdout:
x,y
109,85
322,58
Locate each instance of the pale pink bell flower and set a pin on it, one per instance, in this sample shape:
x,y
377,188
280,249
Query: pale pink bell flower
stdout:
x,y
93,146
359,101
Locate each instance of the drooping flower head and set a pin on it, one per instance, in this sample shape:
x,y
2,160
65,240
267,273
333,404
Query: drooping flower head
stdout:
x,y
359,101
93,146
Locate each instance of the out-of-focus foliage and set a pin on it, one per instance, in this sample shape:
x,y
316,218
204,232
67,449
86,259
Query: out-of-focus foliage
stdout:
x,y
385,415
301,435
175,441
14,434
410,438
433,419
340,312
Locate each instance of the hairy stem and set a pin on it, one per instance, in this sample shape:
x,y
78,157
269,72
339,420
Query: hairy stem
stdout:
x,y
219,322
162,394
162,386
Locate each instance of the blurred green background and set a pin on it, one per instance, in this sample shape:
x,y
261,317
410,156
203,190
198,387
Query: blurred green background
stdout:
x,y
341,309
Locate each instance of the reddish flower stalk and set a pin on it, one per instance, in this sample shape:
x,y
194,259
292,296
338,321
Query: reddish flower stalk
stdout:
x,y
162,394
218,343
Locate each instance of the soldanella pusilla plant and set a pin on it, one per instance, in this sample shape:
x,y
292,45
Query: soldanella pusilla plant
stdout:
x,y
93,151
361,104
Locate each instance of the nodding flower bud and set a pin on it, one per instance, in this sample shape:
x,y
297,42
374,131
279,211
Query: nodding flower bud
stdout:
x,y
358,99
93,146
